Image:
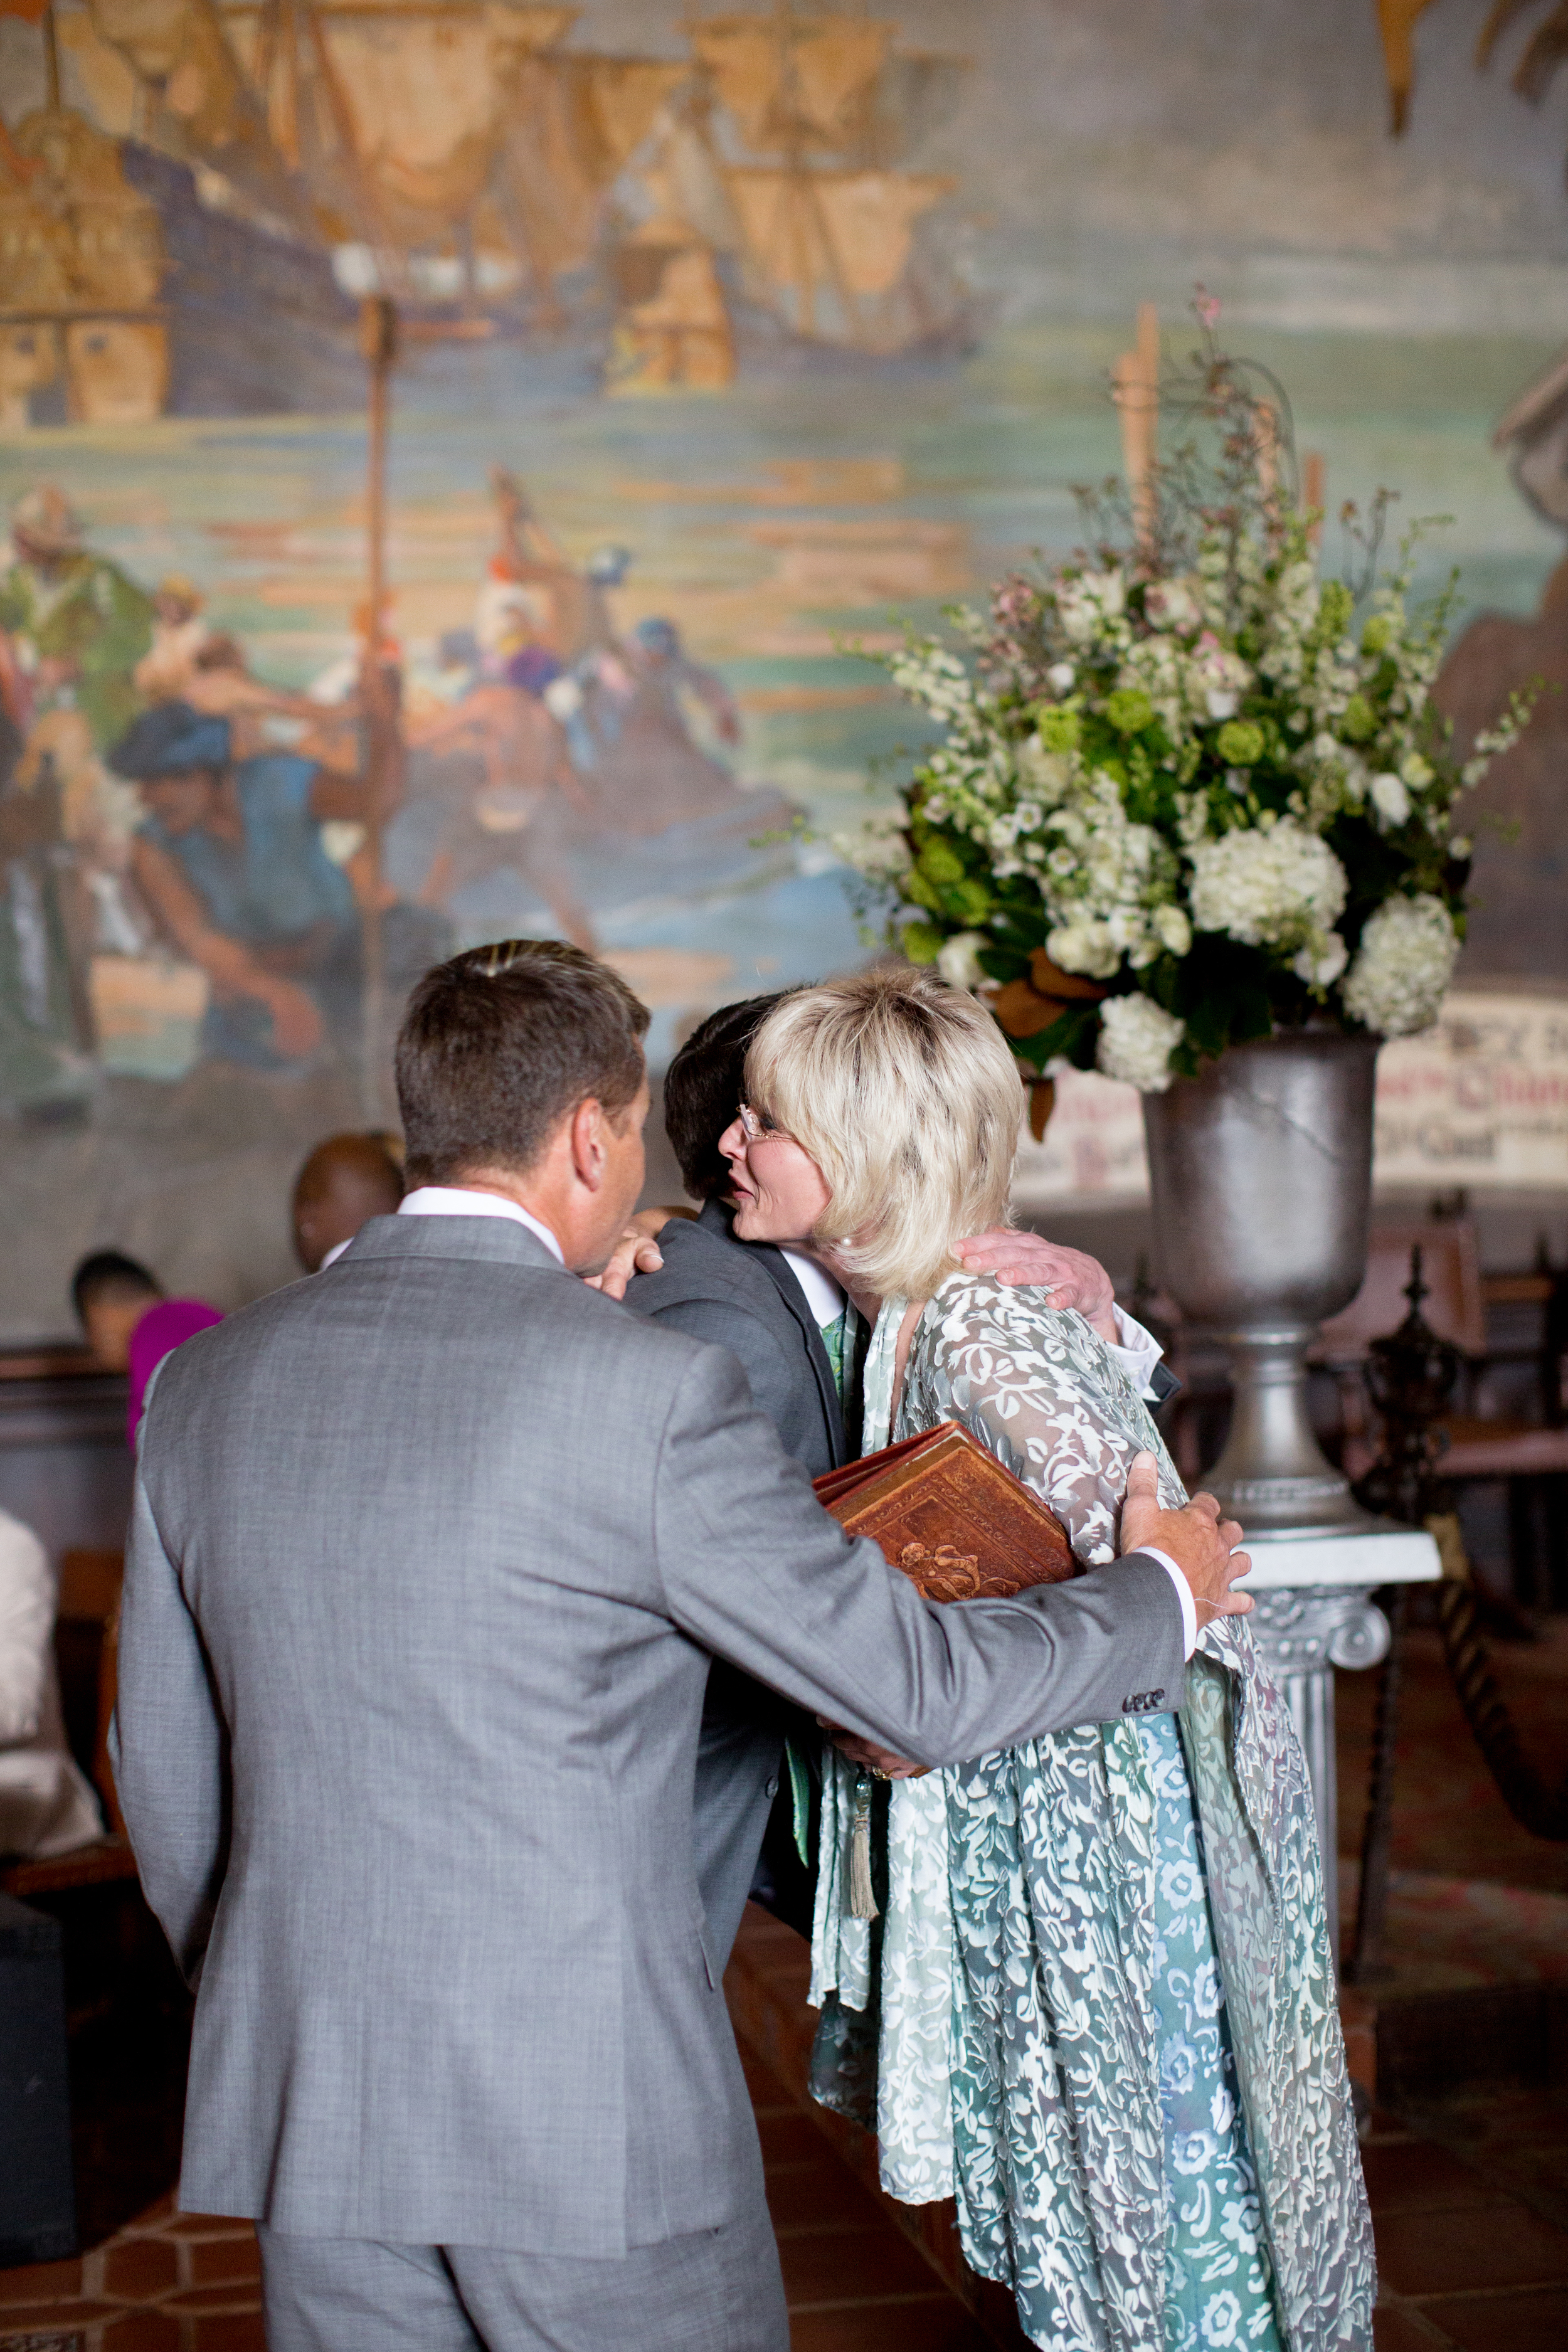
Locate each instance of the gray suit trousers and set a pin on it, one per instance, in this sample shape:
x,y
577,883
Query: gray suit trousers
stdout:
x,y
710,2291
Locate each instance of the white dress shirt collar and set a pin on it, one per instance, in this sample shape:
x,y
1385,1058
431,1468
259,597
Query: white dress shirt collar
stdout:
x,y
458,1201
823,1294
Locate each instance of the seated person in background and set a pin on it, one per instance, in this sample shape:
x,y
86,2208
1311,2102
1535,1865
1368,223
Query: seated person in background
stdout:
x,y
800,1344
45,1805
129,1323
346,1179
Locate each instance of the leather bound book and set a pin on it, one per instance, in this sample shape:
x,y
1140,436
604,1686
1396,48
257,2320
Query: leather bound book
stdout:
x,y
946,1511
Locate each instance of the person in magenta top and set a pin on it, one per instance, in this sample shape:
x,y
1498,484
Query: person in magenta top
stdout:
x,y
129,1323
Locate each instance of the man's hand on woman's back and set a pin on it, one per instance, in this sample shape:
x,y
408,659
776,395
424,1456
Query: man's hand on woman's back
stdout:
x,y
1073,1278
1201,1544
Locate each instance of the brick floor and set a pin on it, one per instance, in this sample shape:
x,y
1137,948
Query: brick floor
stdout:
x,y
1467,2213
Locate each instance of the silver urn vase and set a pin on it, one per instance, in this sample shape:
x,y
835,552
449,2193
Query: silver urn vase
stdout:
x,y
1260,1172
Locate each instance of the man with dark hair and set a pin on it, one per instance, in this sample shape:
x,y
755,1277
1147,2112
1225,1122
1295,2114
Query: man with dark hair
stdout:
x,y
426,1564
344,1180
785,1318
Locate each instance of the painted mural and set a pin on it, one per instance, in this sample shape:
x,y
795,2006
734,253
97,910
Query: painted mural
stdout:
x,y
709,349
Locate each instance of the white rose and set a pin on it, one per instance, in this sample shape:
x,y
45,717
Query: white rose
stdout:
x,y
1389,798
1083,947
1137,1038
1321,963
958,960
1174,930
1220,703
1061,678
1402,966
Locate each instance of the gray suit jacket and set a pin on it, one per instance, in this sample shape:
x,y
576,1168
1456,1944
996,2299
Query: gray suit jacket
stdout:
x,y
428,1556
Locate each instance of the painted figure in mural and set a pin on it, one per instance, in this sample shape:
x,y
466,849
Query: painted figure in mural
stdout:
x,y
45,1024
631,737
180,631
230,860
79,626
74,627
517,810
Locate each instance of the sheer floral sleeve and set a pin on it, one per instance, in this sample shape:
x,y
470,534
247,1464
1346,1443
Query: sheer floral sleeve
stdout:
x,y
1043,1394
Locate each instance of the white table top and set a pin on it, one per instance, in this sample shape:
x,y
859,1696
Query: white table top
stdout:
x,y
1372,1557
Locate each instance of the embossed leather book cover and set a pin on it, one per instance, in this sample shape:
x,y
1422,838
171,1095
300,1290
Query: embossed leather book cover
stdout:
x,y
948,1514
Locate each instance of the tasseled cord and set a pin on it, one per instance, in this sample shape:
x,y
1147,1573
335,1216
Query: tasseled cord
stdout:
x,y
862,1902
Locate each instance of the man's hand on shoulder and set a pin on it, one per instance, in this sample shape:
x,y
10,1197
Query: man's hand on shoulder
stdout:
x,y
1073,1278
1201,1544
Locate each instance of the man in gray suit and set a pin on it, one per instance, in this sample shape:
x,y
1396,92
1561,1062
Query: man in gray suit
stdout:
x,y
427,1559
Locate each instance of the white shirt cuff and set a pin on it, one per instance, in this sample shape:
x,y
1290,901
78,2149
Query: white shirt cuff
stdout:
x,y
1137,1350
1183,1594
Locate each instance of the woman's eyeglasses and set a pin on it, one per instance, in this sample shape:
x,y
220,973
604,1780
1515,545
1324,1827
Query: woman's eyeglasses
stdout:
x,y
757,1129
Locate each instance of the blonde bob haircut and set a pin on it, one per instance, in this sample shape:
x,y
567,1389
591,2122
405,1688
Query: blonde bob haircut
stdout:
x,y
903,1092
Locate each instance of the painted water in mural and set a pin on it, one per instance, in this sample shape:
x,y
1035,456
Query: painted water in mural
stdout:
x,y
727,347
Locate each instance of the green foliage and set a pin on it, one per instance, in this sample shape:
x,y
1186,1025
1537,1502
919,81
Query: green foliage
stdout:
x,y
1240,742
1129,711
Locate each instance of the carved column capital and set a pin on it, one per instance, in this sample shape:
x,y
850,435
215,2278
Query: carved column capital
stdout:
x,y
1303,1629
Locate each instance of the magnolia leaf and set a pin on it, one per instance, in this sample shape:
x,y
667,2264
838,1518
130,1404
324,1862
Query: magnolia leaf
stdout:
x,y
1023,1011
1050,980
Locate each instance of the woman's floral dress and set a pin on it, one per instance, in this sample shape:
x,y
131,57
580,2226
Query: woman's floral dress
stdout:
x,y
1098,2007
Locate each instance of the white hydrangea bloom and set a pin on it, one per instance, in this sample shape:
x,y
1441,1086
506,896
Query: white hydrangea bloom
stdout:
x,y
1279,888
1402,966
958,960
1137,1038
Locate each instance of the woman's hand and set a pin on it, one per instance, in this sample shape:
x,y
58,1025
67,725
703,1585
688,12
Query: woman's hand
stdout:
x,y
1072,1277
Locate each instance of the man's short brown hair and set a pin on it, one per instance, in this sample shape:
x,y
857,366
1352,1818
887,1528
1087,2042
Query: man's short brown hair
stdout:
x,y
502,1044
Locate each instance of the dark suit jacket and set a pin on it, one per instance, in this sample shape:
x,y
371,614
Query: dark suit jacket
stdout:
x,y
742,1296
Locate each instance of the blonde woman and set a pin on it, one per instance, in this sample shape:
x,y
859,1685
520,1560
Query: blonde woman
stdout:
x,y
1098,2005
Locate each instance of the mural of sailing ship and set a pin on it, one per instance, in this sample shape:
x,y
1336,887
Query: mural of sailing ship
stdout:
x,y
187,221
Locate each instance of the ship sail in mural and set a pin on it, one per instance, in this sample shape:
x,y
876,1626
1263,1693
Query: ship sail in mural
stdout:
x,y
781,173
678,216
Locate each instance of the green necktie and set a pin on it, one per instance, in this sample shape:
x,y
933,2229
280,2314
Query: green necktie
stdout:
x,y
832,1340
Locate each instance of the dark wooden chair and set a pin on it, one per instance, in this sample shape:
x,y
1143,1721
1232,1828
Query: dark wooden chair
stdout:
x,y
88,1614
1479,1446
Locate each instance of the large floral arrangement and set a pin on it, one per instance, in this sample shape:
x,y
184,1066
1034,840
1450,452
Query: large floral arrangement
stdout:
x,y
1188,791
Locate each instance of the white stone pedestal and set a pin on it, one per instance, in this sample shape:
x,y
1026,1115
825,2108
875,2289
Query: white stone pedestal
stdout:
x,y
1314,1611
